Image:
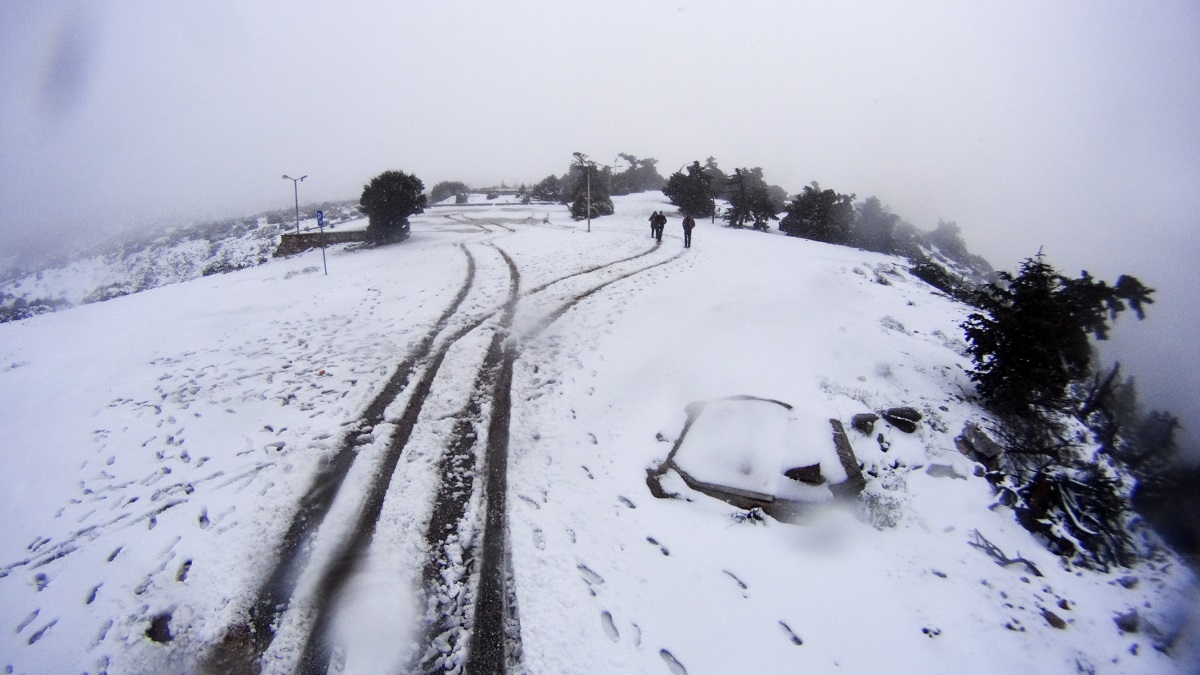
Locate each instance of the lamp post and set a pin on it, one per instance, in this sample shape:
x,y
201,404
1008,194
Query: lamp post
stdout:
x,y
296,194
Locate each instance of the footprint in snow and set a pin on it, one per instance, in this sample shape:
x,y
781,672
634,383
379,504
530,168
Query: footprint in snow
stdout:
x,y
791,634
92,596
42,631
662,548
539,539
733,576
590,577
28,620
610,628
627,502
672,662
103,633
529,501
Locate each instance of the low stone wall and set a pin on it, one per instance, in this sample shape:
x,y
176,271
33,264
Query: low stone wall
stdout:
x,y
291,243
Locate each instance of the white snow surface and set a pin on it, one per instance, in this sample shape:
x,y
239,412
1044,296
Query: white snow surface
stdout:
x,y
155,446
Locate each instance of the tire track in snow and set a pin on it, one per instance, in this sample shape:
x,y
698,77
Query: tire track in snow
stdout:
x,y
565,307
277,593
244,644
449,566
317,647
478,222
495,639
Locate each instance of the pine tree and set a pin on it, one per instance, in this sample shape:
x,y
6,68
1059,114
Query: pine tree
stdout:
x,y
387,201
821,215
691,192
749,200
874,227
1033,338
588,182
547,190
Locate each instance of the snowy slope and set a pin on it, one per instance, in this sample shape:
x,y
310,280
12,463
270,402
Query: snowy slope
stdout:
x,y
157,446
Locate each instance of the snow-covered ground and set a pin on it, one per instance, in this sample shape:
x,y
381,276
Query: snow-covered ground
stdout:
x,y
156,449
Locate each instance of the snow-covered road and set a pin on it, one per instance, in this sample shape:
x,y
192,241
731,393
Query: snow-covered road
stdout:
x,y
278,469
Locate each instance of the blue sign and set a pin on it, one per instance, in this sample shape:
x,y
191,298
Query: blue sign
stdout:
x,y
320,219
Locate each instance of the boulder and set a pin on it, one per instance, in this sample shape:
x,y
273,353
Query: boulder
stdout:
x,y
977,445
806,474
864,423
903,418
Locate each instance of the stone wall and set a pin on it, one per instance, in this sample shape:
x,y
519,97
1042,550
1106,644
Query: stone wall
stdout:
x,y
291,243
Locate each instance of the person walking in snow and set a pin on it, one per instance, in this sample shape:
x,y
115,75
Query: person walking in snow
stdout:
x,y
688,224
660,225
653,224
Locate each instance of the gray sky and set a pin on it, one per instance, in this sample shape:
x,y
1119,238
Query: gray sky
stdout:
x,y
1069,125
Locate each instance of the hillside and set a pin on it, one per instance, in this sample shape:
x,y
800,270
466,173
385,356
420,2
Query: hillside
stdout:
x,y
123,266
168,452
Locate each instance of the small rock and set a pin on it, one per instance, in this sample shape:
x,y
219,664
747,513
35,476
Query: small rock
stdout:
x,y
864,423
1128,622
1063,604
1054,619
160,628
903,418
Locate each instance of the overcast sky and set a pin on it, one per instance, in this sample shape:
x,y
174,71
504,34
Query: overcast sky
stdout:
x,y
1073,126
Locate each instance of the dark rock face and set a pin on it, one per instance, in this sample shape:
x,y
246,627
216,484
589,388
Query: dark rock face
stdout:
x,y
977,445
903,418
806,474
864,423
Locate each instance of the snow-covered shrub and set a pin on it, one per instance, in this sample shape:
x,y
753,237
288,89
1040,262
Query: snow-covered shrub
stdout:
x,y
1078,502
883,501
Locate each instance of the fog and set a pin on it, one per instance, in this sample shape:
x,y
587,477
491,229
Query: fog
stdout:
x,y
1070,126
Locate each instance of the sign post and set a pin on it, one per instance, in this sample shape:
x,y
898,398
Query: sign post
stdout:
x,y
321,227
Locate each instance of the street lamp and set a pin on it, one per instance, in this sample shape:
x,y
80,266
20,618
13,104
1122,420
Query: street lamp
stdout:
x,y
296,194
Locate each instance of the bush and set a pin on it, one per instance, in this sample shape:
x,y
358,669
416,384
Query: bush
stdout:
x,y
388,201
548,190
821,215
446,189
